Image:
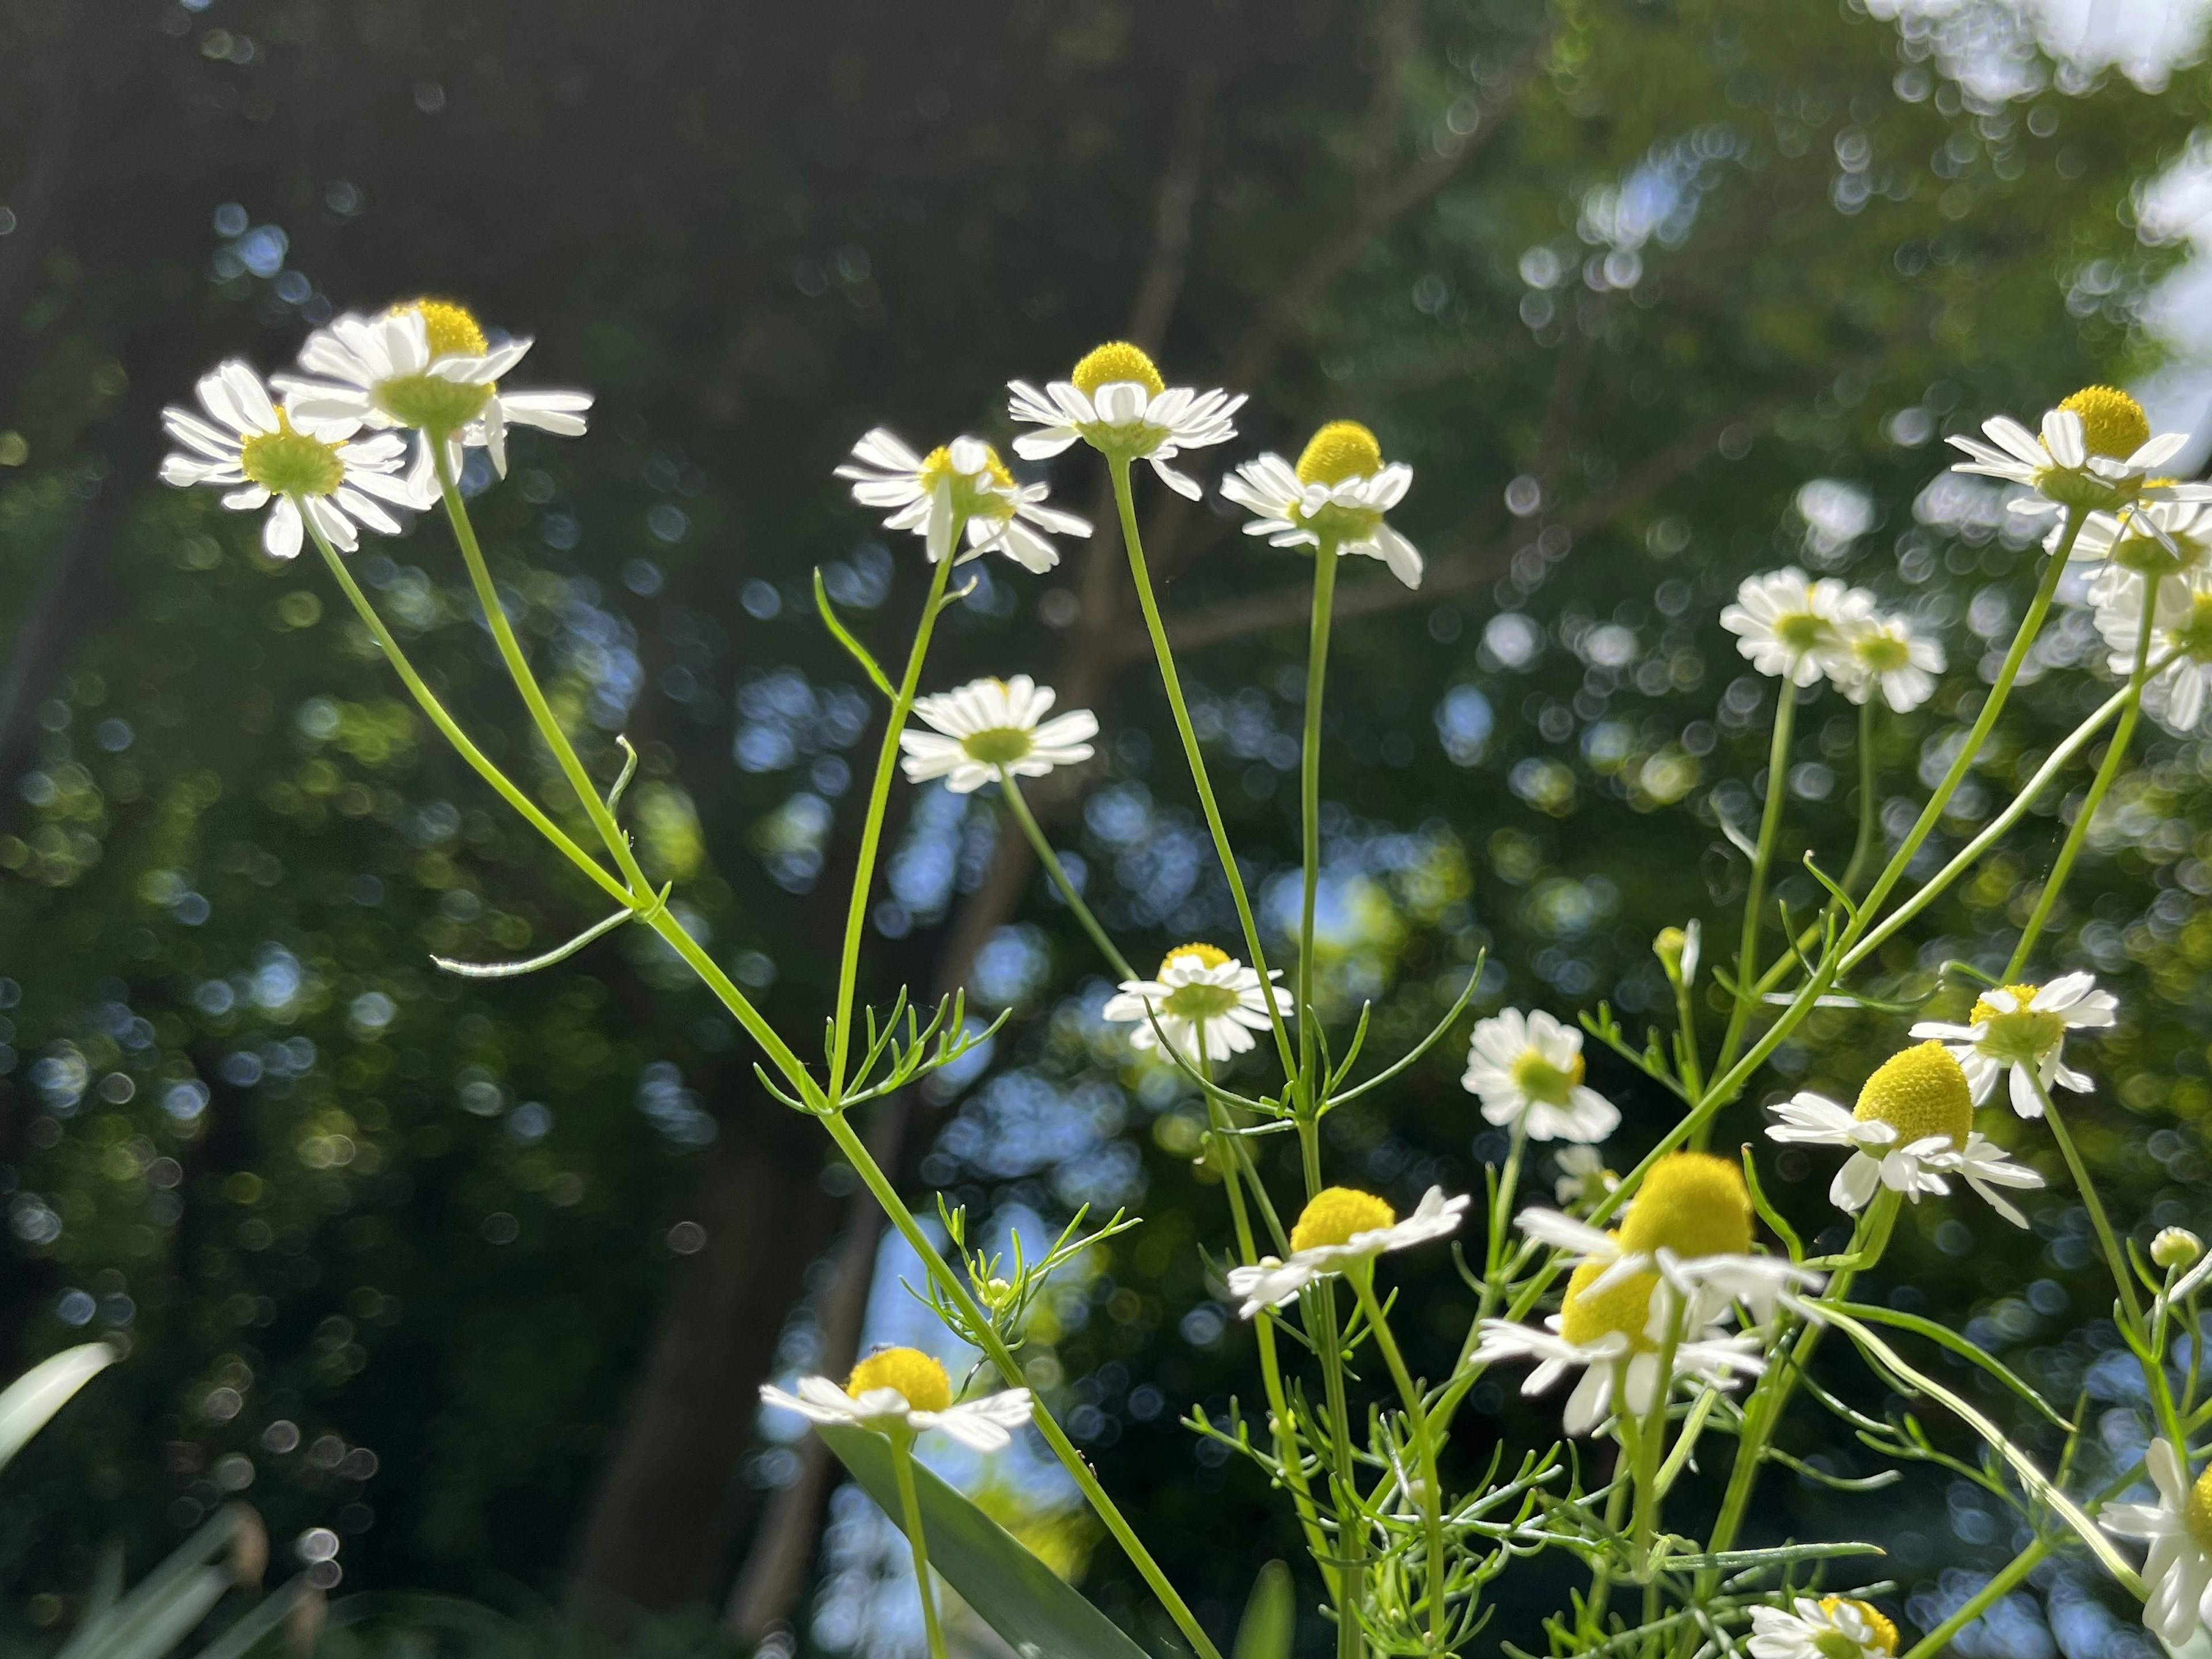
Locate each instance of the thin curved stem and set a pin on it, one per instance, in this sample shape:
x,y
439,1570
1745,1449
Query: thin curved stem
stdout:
x,y
1754,899
1324,605
910,1503
1010,791
1863,848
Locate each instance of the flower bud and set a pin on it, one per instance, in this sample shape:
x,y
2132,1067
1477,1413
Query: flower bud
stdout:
x,y
1677,950
2176,1247
997,1293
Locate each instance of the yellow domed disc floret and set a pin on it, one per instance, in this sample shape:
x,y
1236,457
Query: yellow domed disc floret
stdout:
x,y
1341,450
1885,1629
2114,424
987,497
1540,1080
453,329
1621,1309
1334,1214
1116,361
1919,1091
288,463
430,401
1694,1204
1213,956
919,1377
2197,1510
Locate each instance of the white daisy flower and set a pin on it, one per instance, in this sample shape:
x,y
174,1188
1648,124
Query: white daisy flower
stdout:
x,y
2022,1029
991,723
2179,1528
964,479
1116,402
1339,489
906,1388
1913,1127
1582,1174
1527,1069
2096,452
1886,654
1831,1627
427,365
1339,1226
2179,695
246,447
1206,1004
2149,540
1792,627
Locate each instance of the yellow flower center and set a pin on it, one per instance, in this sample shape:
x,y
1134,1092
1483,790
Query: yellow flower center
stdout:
x,y
1539,1080
996,746
1919,1091
1341,450
1212,955
938,464
1836,1646
453,329
2197,1510
1622,1309
2114,424
1694,1204
288,463
1334,1214
919,1377
1115,361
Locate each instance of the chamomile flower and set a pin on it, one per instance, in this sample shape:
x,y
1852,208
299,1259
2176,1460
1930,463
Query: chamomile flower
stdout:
x,y
1583,1176
1913,1127
2095,453
2179,1528
1526,1069
1339,1227
427,365
1790,626
1116,401
2021,1029
906,1389
243,445
1886,654
964,479
991,723
1831,1627
1205,1003
2180,629
1338,492
2150,541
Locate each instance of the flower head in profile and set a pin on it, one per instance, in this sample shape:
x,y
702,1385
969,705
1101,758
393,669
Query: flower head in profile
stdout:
x,y
1339,1227
2179,1528
1337,492
2144,545
241,443
990,723
1526,1069
1886,654
2095,453
1792,627
897,1390
1828,1627
1583,1176
428,364
964,480
1116,401
1913,1127
2021,1029
2178,694
1205,1002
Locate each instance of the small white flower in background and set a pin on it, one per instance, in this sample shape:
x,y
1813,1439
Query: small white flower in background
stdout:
x,y
965,478
1831,1627
1791,627
2096,453
990,723
2021,1029
1913,1127
247,447
1526,1069
904,1388
2179,1528
1886,654
1339,489
2181,628
1339,1226
2149,540
1206,1002
427,365
1582,1174
1116,401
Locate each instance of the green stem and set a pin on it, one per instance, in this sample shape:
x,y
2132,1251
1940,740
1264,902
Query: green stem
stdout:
x,y
1171,682
1011,792
910,1503
1936,1640
1361,1276
1501,1215
1754,901
1863,848
1324,605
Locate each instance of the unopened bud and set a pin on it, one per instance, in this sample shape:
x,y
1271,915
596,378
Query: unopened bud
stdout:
x,y
997,1293
1677,950
2176,1247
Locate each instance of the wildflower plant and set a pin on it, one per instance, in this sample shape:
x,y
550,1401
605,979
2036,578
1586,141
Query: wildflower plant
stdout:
x,y
1687,1309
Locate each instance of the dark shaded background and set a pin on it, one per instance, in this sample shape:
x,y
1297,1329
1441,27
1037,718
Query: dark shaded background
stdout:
x,y
510,1261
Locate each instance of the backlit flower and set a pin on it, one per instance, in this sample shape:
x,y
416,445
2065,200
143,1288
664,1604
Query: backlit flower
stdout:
x,y
1339,1226
1338,492
1205,1002
2180,629
2021,1029
1886,654
964,480
1831,1627
991,723
2179,1528
1527,1069
904,1388
254,452
1792,627
2095,453
1116,401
